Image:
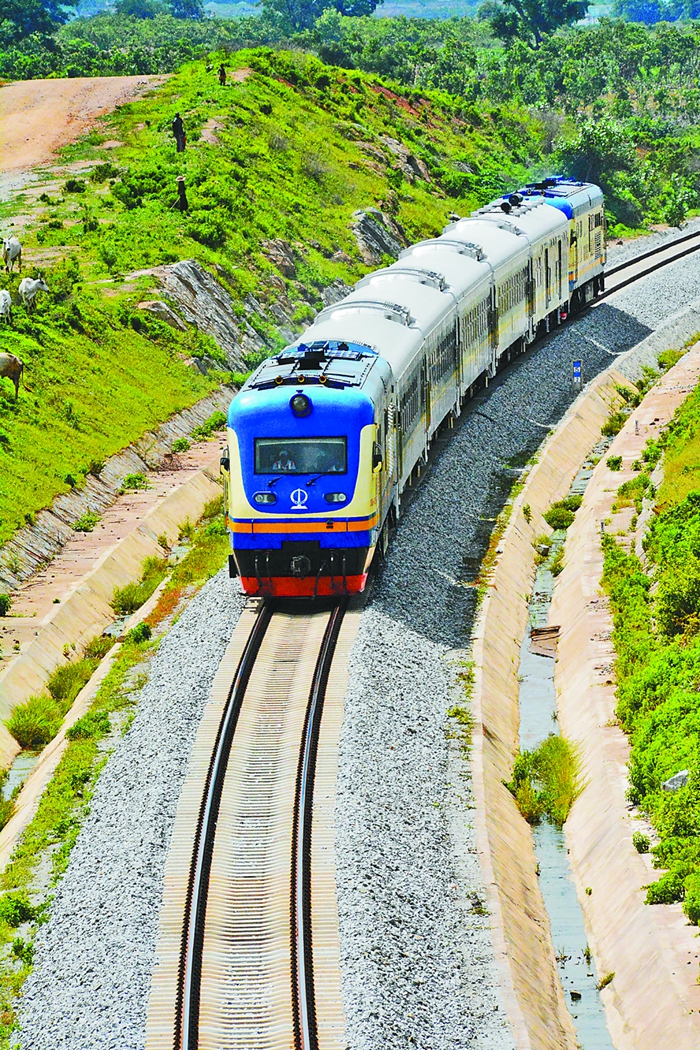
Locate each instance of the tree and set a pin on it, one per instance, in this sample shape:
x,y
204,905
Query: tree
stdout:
x,y
531,19
302,14
138,8
22,18
190,9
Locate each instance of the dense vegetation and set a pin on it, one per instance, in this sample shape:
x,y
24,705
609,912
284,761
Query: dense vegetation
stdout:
x,y
657,639
289,152
617,102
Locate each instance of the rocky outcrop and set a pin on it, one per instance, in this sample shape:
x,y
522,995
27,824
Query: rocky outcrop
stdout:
x,y
411,166
281,255
377,235
163,312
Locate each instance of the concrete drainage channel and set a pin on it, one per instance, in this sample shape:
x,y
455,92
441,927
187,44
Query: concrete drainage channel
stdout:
x,y
538,719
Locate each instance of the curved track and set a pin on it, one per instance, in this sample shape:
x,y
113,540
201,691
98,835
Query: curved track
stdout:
x,y
632,270
246,968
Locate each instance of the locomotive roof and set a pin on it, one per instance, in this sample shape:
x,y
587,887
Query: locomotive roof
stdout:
x,y
328,361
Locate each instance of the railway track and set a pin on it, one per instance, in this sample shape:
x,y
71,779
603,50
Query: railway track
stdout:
x,y
248,953
632,270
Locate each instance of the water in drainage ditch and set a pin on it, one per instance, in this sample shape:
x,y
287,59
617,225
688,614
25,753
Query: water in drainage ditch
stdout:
x,y
537,720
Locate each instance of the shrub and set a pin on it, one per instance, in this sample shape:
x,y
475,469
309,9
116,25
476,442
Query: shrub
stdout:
x,y
641,842
691,903
128,599
181,445
66,682
217,421
16,908
545,781
87,522
558,517
666,890
35,722
74,186
614,424
138,634
133,482
5,604
92,725
614,462
98,647
23,950
527,513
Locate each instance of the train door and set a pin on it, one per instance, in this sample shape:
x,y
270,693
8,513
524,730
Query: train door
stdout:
x,y
547,279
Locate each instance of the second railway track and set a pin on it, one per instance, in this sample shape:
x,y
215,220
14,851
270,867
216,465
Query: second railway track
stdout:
x,y
248,947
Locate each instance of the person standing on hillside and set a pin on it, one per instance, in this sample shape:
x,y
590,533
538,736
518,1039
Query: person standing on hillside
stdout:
x,y
181,202
179,133
222,75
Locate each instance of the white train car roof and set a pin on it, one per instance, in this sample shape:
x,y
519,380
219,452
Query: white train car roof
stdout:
x,y
502,242
428,299
465,269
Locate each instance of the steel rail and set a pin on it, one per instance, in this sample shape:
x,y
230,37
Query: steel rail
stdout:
x,y
647,270
654,251
187,1014
302,948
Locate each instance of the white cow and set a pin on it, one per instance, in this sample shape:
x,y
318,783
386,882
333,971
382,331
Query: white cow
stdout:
x,y
28,288
11,251
5,306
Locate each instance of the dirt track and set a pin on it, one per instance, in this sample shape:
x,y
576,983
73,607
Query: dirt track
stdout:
x,y
37,117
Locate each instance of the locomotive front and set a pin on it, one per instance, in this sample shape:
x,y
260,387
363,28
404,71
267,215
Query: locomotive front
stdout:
x,y
300,473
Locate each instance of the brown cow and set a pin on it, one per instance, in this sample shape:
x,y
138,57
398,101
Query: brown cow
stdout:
x,y
11,368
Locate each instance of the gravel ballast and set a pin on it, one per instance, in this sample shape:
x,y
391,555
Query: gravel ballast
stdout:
x,y
90,985
416,951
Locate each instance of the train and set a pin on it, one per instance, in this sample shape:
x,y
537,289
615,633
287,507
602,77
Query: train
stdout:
x,y
324,437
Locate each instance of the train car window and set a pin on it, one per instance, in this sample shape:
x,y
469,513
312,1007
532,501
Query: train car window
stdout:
x,y
512,291
599,218
410,405
322,455
476,323
443,357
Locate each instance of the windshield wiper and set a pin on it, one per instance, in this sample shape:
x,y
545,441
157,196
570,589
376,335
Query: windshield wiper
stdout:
x,y
312,481
273,481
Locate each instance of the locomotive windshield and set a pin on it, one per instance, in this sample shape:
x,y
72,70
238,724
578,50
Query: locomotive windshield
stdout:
x,y
323,455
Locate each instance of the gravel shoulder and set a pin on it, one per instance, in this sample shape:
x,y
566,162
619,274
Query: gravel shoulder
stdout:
x,y
416,952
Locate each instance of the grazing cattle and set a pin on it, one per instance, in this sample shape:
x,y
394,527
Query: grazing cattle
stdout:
x,y
28,288
11,252
11,368
5,306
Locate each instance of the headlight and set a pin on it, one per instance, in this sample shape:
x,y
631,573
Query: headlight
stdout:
x,y
335,497
265,497
300,405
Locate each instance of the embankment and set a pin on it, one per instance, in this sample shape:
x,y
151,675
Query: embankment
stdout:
x,y
87,611
533,992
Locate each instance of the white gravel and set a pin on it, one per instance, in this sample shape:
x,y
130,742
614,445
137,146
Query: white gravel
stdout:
x,y
417,959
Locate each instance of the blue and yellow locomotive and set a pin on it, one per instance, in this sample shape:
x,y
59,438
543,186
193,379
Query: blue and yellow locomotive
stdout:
x,y
324,437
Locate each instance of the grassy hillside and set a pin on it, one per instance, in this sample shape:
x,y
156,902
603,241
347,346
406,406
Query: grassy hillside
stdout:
x,y
289,151
657,639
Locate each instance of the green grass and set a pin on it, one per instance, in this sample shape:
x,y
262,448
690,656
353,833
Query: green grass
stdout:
x,y
545,781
